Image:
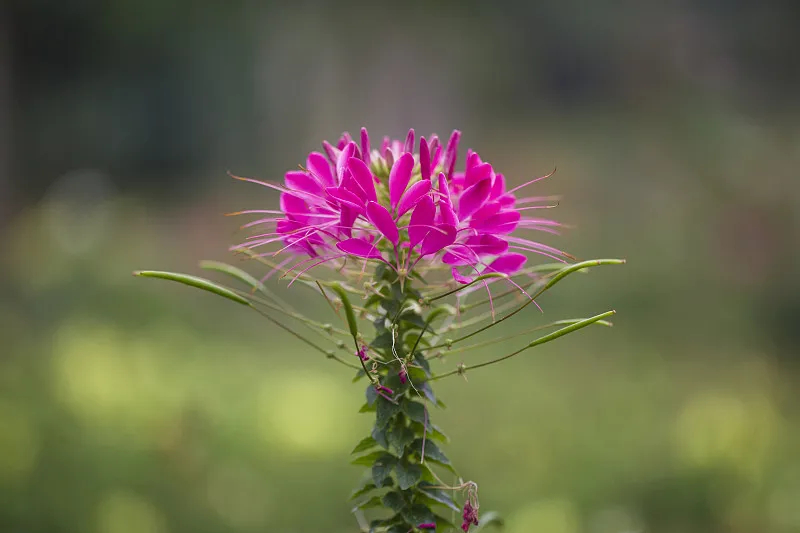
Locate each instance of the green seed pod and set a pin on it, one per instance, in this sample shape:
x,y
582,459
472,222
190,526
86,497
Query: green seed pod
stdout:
x,y
348,311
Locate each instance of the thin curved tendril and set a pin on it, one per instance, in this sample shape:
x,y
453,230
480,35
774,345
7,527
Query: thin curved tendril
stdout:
x,y
315,326
305,340
555,279
541,340
446,353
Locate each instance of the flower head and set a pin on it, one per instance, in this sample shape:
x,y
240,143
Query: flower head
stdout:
x,y
405,207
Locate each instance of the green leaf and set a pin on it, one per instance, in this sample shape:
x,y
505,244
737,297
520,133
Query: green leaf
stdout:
x,y
415,411
368,460
438,495
412,319
417,514
385,413
407,474
416,374
371,393
432,432
382,341
375,501
436,433
380,437
363,490
428,392
365,444
399,436
432,452
359,375
427,474
348,310
421,361
367,408
489,518
194,281
382,468
394,501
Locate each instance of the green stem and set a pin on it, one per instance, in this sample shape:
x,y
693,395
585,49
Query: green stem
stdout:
x,y
541,340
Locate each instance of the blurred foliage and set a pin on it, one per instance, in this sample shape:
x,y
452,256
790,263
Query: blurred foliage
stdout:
x,y
128,406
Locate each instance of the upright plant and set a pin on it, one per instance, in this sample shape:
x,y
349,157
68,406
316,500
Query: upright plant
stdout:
x,y
421,259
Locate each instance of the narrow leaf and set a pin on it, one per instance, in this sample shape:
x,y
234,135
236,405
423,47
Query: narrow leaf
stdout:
x,y
375,501
365,444
363,490
368,460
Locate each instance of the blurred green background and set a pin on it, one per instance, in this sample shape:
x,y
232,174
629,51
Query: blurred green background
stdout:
x,y
136,406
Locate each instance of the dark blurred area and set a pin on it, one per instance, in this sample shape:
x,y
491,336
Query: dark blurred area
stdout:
x,y
131,406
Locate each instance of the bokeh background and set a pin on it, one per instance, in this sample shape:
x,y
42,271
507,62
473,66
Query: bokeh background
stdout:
x,y
135,406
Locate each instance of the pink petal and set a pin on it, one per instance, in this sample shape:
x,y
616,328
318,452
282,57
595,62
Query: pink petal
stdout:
x,y
459,278
343,140
320,167
341,162
363,177
487,244
382,220
421,220
347,218
498,187
436,240
436,159
360,248
473,198
451,152
503,222
424,159
399,177
447,215
477,173
331,152
507,264
459,255
433,146
506,199
345,197
409,146
301,181
412,196
444,190
365,155
293,205
487,210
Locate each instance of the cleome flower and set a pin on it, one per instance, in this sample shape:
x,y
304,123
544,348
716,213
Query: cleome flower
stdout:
x,y
406,207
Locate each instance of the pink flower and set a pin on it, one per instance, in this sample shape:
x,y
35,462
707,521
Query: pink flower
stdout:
x,y
408,209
